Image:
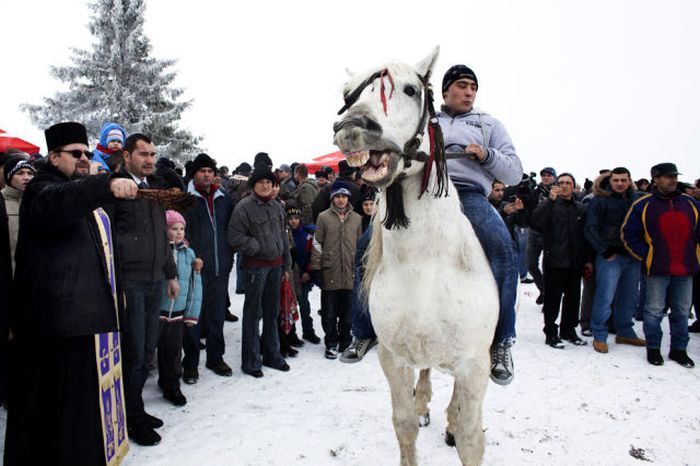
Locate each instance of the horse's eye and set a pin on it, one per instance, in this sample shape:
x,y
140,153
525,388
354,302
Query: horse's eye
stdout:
x,y
409,90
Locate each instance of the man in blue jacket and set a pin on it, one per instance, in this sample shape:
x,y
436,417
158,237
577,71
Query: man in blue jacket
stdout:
x,y
206,228
489,155
617,273
662,231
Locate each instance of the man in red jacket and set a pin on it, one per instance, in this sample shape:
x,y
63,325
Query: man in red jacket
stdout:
x,y
663,232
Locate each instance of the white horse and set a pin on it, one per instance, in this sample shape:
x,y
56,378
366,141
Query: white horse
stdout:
x,y
432,295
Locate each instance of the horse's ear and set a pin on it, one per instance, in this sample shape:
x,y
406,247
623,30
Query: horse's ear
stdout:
x,y
426,65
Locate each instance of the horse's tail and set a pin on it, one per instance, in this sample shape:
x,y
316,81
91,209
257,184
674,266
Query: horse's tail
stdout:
x,y
372,256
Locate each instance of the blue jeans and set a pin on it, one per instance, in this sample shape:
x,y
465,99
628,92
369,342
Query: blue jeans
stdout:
x,y
361,321
139,338
617,281
307,322
500,251
679,292
262,301
214,296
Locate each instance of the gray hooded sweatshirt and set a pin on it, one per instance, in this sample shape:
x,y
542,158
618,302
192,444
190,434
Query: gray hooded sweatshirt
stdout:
x,y
476,127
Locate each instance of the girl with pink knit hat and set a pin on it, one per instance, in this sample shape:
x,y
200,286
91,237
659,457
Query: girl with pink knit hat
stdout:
x,y
183,310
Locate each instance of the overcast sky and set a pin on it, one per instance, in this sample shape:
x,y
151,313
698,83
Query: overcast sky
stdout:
x,y
579,85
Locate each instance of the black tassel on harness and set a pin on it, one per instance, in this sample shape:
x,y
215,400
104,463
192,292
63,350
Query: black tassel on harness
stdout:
x,y
395,215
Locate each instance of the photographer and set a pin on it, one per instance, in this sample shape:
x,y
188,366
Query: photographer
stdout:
x,y
534,239
511,210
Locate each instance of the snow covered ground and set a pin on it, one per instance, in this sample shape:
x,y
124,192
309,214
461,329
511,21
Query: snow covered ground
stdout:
x,y
571,406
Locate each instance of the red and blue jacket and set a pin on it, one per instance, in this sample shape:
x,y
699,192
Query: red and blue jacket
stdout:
x,y
664,234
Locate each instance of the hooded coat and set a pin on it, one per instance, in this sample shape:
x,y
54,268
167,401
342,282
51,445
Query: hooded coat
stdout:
x,y
102,154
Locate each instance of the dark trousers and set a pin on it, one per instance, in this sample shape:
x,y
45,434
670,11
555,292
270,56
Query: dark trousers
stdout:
x,y
336,317
307,323
558,282
139,338
262,301
587,302
534,250
169,354
211,323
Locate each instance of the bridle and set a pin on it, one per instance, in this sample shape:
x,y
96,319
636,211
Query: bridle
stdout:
x,y
436,155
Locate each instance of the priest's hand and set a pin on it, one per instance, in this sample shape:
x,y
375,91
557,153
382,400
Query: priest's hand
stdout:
x,y
123,188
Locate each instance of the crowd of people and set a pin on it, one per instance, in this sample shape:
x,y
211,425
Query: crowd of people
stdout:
x,y
88,248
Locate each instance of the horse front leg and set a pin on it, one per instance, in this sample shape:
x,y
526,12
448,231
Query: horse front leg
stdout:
x,y
400,380
469,391
423,394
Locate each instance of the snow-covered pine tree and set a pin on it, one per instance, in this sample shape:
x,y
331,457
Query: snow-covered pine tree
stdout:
x,y
118,81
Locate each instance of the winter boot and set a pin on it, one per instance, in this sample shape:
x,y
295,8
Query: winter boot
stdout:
x,y
681,357
654,357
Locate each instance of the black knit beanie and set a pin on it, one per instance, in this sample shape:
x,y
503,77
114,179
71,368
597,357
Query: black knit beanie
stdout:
x,y
456,73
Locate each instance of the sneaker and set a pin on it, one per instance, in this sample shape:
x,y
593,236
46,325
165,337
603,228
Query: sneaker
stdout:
x,y
357,350
143,434
634,341
190,376
312,338
554,342
332,352
230,317
152,421
220,368
575,340
654,357
600,346
502,370
175,396
681,357
587,332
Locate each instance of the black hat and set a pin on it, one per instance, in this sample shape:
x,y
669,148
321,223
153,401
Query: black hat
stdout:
x,y
549,170
165,162
345,170
261,158
664,169
292,210
62,134
456,73
202,161
14,165
243,169
261,173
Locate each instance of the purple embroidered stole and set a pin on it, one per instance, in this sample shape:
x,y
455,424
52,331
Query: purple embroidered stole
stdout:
x,y
109,367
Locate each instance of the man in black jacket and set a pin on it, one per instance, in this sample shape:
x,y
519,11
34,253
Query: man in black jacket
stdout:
x,y
144,260
559,218
63,296
207,225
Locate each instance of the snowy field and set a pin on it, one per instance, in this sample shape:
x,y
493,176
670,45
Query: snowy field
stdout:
x,y
565,407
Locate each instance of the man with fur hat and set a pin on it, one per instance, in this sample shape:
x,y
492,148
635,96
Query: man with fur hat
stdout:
x,y
258,231
332,259
65,295
144,260
207,223
488,155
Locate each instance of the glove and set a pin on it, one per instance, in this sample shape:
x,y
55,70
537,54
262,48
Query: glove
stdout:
x,y
317,278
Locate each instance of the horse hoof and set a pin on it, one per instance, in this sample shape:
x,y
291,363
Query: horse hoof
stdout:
x,y
424,420
449,439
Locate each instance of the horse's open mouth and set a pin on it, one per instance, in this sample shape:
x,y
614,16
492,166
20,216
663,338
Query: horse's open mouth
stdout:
x,y
374,164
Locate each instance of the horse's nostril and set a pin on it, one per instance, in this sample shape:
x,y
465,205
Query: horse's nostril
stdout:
x,y
337,126
372,125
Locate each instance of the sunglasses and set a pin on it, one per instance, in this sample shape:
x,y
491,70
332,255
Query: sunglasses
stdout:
x,y
77,153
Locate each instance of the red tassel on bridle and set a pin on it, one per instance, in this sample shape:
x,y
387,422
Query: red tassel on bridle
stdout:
x,y
381,88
